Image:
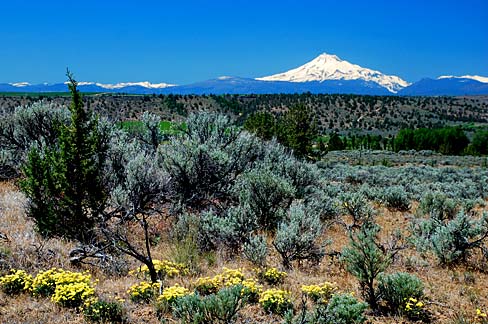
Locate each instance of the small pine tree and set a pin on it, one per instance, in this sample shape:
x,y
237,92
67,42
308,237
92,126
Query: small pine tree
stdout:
x,y
64,183
366,259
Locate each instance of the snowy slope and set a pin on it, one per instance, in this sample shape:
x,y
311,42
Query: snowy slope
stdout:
x,y
330,67
472,77
144,84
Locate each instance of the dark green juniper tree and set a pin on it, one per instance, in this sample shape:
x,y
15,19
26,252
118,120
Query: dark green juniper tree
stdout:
x,y
297,129
64,182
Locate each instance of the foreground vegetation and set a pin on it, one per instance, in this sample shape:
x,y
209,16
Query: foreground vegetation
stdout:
x,y
210,224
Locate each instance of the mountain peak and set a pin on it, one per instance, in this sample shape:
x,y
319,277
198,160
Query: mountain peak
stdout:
x,y
327,56
331,67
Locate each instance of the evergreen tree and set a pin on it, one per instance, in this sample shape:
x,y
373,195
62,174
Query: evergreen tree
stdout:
x,y
336,143
64,183
297,129
263,124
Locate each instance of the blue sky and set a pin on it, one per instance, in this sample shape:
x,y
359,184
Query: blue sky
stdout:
x,y
187,41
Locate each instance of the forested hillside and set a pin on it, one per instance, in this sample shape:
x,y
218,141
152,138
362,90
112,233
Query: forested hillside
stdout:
x,y
334,113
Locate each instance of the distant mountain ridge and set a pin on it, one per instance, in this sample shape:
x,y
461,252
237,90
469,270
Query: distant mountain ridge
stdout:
x,y
325,74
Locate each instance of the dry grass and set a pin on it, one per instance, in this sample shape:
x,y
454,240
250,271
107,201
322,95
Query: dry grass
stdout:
x,y
448,291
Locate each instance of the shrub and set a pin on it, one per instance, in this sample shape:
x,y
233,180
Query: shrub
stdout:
x,y
207,157
137,184
272,276
190,309
221,307
396,197
267,195
37,124
357,206
452,241
298,234
276,301
345,309
438,206
15,282
225,304
102,311
256,250
142,292
366,259
229,230
327,206
397,288
320,294
340,309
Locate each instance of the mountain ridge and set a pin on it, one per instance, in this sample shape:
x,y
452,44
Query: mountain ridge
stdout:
x,y
326,73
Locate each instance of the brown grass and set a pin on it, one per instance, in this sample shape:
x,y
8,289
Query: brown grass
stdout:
x,y
449,291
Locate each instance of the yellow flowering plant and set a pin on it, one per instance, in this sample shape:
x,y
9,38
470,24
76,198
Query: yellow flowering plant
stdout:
x,y
251,290
276,301
319,293
481,316
15,282
207,285
271,276
210,285
143,291
66,288
171,294
45,283
72,294
415,309
164,269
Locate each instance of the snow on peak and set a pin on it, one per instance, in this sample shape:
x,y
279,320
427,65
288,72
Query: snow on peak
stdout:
x,y
472,77
20,84
331,67
144,84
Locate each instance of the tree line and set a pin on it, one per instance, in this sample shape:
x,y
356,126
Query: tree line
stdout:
x,y
297,129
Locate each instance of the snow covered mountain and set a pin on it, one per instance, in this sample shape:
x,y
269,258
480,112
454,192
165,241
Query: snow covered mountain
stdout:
x,y
144,84
126,87
472,77
330,67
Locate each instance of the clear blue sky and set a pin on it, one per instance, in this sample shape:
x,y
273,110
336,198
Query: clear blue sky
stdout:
x,y
188,41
